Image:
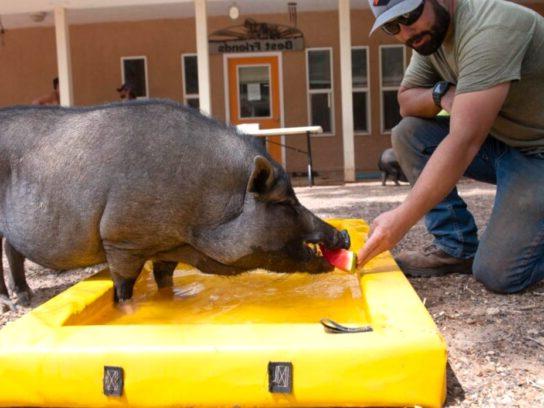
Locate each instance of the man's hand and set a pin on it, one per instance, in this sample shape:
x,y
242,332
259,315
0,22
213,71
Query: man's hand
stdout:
x,y
385,232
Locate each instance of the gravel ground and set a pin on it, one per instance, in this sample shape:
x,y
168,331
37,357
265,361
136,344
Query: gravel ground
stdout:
x,y
495,342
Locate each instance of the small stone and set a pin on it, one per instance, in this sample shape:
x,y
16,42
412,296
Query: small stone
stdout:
x,y
492,311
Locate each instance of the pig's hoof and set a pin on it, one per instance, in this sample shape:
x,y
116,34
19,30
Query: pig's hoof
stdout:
x,y
6,304
23,298
127,307
123,290
166,292
165,281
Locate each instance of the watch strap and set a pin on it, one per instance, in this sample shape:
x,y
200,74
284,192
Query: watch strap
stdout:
x,y
439,90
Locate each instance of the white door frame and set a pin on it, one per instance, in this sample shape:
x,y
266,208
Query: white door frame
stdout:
x,y
279,55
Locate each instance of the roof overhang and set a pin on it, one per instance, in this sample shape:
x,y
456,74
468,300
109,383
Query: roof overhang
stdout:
x,y
16,13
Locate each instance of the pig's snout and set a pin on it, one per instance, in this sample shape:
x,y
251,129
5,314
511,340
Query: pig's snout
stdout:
x,y
333,239
346,240
340,239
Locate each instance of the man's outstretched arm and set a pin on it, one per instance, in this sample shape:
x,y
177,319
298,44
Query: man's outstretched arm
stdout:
x,y
472,116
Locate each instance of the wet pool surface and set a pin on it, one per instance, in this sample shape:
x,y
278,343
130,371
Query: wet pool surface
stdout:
x,y
254,297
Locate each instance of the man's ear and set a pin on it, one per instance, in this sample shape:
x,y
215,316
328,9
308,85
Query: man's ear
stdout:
x,y
262,178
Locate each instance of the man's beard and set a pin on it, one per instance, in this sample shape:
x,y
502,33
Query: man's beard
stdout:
x,y
437,32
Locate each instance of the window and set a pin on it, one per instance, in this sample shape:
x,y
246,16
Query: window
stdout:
x,y
189,67
359,75
319,68
391,69
254,91
134,72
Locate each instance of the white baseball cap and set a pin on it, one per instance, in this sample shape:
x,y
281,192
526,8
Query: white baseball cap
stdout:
x,y
387,10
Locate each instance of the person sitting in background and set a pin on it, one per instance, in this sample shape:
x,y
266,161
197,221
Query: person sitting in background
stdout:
x,y
52,98
126,92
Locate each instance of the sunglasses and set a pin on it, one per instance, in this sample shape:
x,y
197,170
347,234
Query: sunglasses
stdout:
x,y
393,27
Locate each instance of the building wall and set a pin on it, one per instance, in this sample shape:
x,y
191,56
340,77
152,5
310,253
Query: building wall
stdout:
x,y
369,147
96,61
28,65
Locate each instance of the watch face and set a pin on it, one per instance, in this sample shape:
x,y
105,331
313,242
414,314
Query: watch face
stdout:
x,y
441,88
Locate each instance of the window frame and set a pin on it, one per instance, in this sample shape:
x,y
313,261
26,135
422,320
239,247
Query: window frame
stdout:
x,y
330,92
270,101
187,96
364,89
124,79
388,88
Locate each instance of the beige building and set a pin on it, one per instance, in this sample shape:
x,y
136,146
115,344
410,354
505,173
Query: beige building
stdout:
x,y
308,52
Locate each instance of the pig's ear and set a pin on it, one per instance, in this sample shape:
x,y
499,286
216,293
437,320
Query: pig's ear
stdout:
x,y
263,178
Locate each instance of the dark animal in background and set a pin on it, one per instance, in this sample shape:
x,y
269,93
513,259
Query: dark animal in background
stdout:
x,y
390,167
149,180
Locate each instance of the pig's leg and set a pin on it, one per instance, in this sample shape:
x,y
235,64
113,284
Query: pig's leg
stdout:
x,y
5,301
124,269
16,276
397,179
163,272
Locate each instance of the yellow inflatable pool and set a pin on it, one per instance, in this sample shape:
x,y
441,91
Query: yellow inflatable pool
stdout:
x,y
253,340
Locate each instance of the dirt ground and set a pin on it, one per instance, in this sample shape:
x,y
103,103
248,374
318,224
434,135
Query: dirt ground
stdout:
x,y
495,342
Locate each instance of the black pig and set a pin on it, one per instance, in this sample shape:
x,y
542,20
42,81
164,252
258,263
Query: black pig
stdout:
x,y
389,166
149,180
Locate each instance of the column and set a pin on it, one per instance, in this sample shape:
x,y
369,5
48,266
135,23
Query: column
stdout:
x,y
346,89
203,57
64,62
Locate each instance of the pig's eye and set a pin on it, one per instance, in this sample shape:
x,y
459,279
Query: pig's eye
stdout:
x,y
289,202
288,205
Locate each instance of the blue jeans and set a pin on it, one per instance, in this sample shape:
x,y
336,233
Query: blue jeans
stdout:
x,y
510,254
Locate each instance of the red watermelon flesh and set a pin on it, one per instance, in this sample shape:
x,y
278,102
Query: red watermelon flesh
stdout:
x,y
340,258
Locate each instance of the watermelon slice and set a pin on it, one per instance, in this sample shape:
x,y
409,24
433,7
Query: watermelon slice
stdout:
x,y
340,258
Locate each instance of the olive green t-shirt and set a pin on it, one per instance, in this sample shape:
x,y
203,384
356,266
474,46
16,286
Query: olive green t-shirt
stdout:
x,y
493,41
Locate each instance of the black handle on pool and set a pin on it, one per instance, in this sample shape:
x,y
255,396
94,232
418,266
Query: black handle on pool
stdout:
x,y
309,155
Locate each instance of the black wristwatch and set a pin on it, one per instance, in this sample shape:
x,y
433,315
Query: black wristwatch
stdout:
x,y
439,90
